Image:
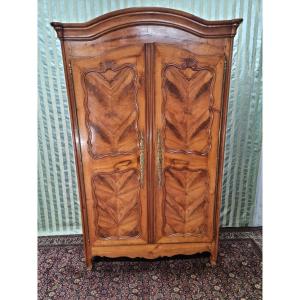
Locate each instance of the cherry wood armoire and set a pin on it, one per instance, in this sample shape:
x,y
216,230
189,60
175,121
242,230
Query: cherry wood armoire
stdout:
x,y
148,92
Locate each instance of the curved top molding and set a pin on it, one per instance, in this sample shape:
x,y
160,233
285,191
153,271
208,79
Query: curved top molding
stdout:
x,y
146,16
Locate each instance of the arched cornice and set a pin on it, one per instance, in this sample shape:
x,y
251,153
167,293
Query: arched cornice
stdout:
x,y
146,16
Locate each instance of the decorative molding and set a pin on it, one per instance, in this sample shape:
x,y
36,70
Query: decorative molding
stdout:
x,y
150,121
112,125
138,16
183,121
142,158
159,158
117,204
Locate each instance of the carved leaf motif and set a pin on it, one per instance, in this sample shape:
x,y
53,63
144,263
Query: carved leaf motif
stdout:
x,y
188,96
111,111
116,197
186,199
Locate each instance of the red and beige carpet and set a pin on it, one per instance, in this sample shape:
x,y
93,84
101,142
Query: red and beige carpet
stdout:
x,y
62,273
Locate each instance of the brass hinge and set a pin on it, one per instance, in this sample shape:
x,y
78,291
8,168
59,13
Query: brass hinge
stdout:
x,y
225,65
70,69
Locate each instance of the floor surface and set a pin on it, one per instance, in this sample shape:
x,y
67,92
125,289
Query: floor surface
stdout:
x,y
62,273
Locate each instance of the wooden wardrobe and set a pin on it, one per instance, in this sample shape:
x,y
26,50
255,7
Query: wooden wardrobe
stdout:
x,y
148,93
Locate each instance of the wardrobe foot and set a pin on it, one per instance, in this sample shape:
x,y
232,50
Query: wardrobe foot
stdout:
x,y
213,259
89,264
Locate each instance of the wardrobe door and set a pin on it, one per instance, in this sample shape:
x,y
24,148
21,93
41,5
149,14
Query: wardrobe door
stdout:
x,y
110,105
188,105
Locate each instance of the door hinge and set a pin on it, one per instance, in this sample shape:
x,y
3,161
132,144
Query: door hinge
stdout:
x,y
225,65
70,69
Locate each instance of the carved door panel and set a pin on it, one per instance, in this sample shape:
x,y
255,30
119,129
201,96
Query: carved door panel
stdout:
x,y
110,105
188,101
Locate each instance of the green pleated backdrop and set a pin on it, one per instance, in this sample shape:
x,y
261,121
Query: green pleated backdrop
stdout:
x,y
58,204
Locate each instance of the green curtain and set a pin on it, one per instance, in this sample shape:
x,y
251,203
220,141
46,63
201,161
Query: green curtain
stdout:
x,y
58,204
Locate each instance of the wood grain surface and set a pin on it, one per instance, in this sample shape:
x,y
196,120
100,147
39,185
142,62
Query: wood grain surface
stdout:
x,y
148,94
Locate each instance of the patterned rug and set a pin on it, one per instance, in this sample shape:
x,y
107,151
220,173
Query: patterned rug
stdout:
x,y
62,273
